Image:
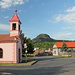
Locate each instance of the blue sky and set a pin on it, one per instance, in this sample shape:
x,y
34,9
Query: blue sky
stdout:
x,y
53,17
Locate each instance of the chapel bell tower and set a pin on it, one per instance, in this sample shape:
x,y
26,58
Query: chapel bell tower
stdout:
x,y
15,25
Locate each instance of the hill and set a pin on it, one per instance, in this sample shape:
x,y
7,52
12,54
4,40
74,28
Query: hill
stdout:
x,y
44,38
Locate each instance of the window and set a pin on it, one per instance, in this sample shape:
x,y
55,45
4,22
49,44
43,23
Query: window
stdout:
x,y
19,27
54,52
14,26
1,53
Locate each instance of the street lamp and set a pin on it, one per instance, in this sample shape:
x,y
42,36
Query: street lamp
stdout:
x,y
34,53
25,46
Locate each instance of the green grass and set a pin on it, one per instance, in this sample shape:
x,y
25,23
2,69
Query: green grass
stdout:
x,y
32,57
73,57
16,64
66,56
63,56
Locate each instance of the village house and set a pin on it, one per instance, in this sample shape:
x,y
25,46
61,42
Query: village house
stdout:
x,y
10,44
58,45
39,51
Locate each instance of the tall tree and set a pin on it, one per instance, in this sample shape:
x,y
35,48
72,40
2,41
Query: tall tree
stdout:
x,y
23,40
30,47
28,41
64,47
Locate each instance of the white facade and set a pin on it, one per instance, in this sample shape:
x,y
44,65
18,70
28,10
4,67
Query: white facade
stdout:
x,y
56,51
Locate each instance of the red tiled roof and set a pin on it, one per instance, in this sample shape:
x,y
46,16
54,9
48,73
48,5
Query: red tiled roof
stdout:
x,y
69,44
7,38
15,18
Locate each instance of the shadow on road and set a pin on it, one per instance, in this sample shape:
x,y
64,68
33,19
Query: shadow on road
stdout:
x,y
39,71
43,58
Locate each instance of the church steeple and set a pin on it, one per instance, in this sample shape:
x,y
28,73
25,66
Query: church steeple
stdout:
x,y
15,25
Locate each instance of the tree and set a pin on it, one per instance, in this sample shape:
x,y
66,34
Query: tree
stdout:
x,y
28,41
30,47
64,47
23,39
44,45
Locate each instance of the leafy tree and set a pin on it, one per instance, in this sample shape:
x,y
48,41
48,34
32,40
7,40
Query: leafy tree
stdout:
x,y
64,47
28,41
22,35
44,45
23,39
30,46
24,49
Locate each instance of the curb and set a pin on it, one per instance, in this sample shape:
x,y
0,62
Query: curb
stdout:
x,y
34,62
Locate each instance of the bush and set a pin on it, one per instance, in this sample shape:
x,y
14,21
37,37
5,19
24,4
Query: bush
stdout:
x,y
23,55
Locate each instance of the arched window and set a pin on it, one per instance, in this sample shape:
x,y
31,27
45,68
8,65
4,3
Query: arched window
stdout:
x,y
1,53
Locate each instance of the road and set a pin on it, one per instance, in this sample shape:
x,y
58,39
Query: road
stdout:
x,y
46,65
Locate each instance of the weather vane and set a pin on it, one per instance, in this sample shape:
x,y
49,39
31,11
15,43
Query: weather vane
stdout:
x,y
15,11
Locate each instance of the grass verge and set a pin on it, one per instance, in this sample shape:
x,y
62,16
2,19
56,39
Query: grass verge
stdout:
x,y
17,64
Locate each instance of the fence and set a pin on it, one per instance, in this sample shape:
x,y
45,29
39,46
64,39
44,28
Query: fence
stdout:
x,y
67,54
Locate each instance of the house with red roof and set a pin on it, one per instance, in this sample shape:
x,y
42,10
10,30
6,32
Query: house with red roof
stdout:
x,y
58,45
11,44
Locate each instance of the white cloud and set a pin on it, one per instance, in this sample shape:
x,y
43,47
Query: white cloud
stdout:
x,y
71,9
68,17
71,27
62,36
4,27
9,3
6,17
58,18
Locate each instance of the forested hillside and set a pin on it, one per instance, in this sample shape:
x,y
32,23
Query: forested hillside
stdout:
x,y
44,45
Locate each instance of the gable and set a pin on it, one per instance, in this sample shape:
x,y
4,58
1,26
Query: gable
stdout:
x,y
54,46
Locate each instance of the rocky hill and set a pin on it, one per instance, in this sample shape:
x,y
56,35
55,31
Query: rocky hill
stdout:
x,y
44,38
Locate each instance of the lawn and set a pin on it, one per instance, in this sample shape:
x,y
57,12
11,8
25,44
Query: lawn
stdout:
x,y
17,64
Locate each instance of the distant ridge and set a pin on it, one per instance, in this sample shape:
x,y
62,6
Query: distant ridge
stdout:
x,y
45,38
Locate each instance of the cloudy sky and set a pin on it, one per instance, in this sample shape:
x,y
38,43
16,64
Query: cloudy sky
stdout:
x,y
53,17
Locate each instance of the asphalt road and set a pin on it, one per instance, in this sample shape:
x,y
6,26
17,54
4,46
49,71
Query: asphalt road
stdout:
x,y
46,65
